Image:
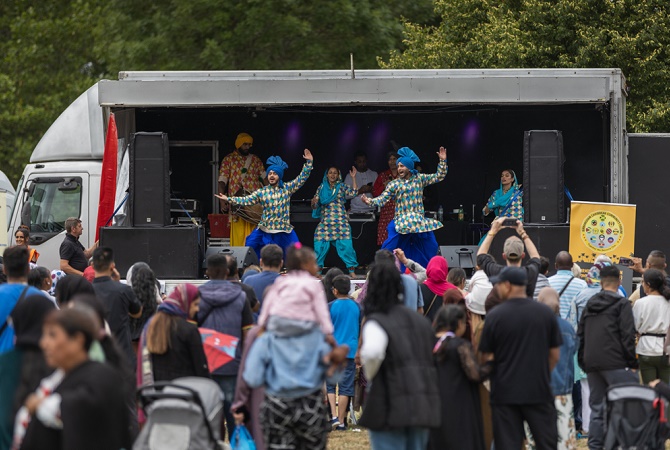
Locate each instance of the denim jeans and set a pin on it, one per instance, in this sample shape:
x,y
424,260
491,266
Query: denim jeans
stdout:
x,y
227,383
400,439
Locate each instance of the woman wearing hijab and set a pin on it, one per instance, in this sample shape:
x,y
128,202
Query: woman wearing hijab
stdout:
x,y
388,210
435,286
506,201
170,345
275,226
410,230
75,408
334,228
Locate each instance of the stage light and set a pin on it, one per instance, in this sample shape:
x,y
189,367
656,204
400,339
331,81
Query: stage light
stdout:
x,y
471,134
292,141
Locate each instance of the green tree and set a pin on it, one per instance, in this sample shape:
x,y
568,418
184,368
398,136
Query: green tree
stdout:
x,y
629,34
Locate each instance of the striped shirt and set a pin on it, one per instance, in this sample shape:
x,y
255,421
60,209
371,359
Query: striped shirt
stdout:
x,y
576,286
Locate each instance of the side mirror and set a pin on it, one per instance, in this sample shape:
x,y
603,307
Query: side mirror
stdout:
x,y
68,184
26,215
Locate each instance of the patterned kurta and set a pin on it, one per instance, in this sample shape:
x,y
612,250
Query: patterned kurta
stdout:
x,y
276,202
515,210
410,216
334,224
387,211
232,171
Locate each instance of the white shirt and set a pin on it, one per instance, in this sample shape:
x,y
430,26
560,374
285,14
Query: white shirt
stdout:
x,y
362,178
373,348
652,315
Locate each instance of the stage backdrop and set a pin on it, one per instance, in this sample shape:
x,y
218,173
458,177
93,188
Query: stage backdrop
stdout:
x,y
3,221
601,228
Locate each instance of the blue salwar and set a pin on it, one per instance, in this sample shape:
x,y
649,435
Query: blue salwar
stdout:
x,y
345,250
419,247
259,239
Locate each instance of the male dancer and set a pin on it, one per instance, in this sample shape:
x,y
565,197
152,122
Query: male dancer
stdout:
x,y
410,230
241,171
275,226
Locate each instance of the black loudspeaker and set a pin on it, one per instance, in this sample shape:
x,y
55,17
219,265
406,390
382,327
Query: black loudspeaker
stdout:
x,y
246,256
171,252
149,180
543,192
463,256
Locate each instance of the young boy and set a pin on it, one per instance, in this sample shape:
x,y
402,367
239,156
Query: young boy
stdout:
x,y
346,316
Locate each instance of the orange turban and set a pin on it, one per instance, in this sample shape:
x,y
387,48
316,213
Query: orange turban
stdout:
x,y
243,138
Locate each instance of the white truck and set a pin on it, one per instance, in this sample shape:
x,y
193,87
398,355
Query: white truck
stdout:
x,y
205,110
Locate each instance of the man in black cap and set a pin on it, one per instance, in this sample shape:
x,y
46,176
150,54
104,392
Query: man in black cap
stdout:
x,y
523,339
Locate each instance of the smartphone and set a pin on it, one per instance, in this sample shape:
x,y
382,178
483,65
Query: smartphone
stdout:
x,y
509,223
626,261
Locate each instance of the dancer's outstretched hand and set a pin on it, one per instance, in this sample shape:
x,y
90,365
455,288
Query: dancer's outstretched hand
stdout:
x,y
221,197
308,155
365,199
442,153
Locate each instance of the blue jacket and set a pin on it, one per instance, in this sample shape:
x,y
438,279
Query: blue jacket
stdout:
x,y
562,377
288,365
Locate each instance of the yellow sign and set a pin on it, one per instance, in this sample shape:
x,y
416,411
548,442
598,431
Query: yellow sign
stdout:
x,y
601,229
4,237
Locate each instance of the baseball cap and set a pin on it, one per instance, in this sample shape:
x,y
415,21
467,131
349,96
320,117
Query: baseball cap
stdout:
x,y
515,275
513,247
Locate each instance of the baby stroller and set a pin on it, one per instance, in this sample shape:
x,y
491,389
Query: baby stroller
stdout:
x,y
181,414
635,418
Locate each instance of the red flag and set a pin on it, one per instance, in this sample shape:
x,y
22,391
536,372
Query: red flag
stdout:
x,y
108,177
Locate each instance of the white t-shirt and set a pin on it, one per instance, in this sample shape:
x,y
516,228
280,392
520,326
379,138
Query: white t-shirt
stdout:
x,y
362,178
652,315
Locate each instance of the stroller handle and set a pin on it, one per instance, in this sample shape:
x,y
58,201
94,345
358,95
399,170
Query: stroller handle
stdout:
x,y
150,393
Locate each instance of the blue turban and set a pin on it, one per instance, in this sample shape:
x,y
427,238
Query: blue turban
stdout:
x,y
407,158
278,166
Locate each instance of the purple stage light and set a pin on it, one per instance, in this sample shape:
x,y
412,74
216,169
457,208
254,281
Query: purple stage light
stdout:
x,y
471,134
348,137
379,139
293,139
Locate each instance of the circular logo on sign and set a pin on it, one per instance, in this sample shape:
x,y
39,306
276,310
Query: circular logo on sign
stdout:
x,y
602,231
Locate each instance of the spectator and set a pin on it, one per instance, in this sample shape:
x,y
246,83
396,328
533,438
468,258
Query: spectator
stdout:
x,y
513,254
412,296
387,212
69,286
365,178
272,260
89,273
170,346
40,278
16,267
416,269
655,260
458,278
542,280
56,275
346,316
327,281
73,255
565,283
562,377
118,299
82,411
523,339
234,277
249,271
480,287
606,348
652,320
224,308
459,376
397,413
142,281
22,237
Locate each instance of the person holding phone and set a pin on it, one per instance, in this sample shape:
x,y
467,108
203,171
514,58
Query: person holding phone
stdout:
x,y
506,201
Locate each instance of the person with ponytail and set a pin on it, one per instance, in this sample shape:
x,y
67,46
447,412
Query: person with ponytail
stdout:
x,y
459,376
652,319
170,345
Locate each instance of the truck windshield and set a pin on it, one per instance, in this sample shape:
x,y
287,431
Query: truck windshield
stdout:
x,y
50,203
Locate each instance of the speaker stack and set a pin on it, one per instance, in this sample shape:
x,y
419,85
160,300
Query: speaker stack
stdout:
x,y
543,193
150,180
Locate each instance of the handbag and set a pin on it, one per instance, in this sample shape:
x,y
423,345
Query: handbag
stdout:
x,y
242,439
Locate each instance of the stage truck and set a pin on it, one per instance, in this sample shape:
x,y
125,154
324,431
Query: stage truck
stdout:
x,y
480,116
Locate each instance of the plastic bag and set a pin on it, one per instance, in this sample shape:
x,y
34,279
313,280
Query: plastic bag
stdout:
x,y
242,439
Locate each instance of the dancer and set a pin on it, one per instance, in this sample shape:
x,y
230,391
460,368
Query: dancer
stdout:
x,y
506,201
274,227
334,228
410,230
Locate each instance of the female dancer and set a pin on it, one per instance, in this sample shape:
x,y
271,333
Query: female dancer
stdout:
x,y
387,211
410,230
274,227
334,228
506,201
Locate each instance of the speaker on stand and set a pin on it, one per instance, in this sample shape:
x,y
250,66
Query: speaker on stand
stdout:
x,y
543,192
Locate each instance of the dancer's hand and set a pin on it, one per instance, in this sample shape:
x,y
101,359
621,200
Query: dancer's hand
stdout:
x,y
353,172
315,201
221,197
442,154
308,155
365,199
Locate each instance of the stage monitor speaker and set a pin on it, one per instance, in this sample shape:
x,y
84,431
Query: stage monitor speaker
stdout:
x,y
246,256
149,180
171,252
463,256
543,192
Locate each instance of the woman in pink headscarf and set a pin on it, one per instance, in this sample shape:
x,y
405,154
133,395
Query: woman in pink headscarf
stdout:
x,y
435,286
170,344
